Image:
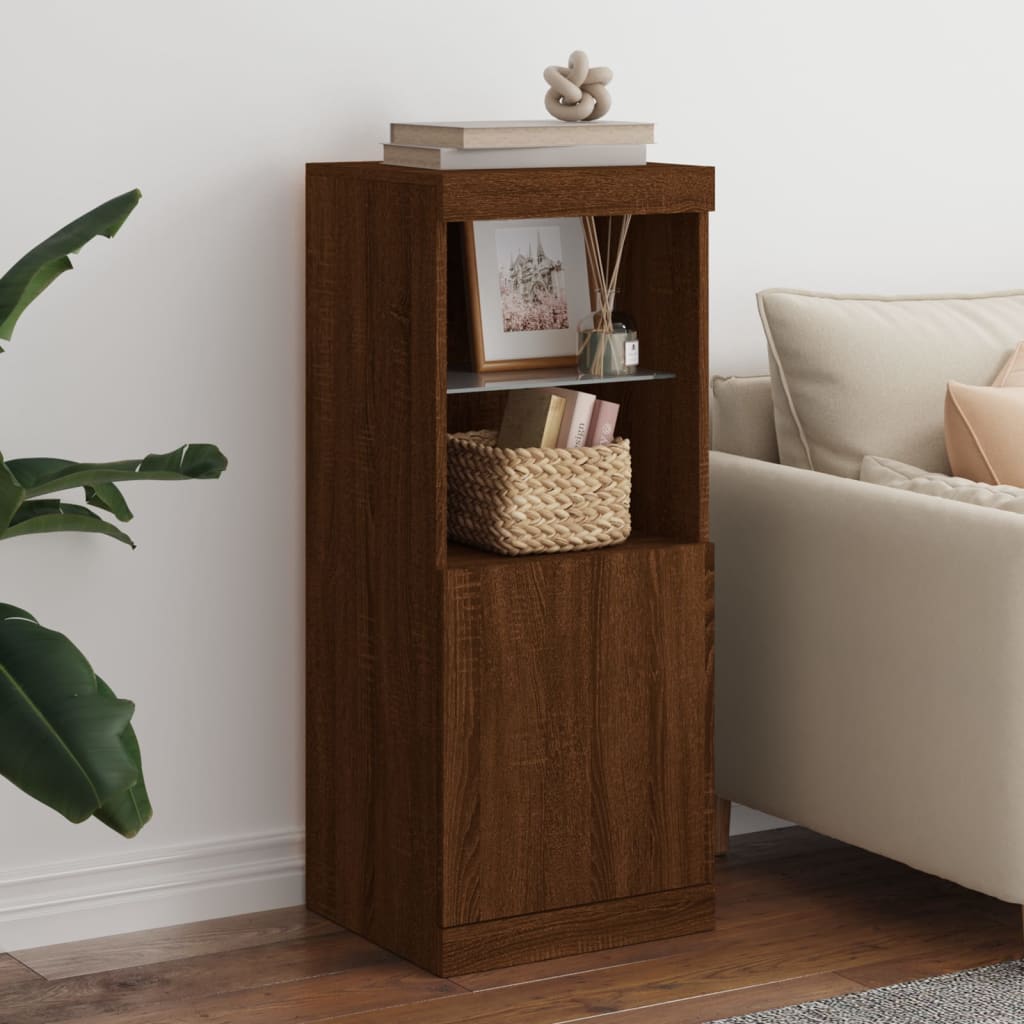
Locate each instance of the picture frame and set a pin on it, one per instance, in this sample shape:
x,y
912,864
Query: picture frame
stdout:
x,y
528,287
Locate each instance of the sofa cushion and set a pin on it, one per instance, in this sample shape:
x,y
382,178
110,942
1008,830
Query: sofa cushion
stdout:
x,y
857,375
741,417
891,473
985,426
984,433
1012,373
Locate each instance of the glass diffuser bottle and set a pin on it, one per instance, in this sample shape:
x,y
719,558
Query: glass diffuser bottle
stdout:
x,y
607,344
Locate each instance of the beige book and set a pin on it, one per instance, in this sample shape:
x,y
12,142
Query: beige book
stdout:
x,y
440,158
579,406
532,420
511,134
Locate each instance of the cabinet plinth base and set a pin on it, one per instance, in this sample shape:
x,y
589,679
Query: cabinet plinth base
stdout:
x,y
573,930
568,931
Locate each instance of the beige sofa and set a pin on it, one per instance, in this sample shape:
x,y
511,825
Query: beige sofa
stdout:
x,y
869,657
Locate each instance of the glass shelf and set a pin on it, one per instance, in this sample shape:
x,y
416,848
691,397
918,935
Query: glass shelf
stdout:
x,y
464,382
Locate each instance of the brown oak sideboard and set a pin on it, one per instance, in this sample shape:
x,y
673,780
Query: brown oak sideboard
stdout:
x,y
509,759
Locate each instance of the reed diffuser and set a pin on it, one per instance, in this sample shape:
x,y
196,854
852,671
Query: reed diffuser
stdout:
x,y
607,346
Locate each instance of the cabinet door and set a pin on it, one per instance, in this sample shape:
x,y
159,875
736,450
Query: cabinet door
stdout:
x,y
576,729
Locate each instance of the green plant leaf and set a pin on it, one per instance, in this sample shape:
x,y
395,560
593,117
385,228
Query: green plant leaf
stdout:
x,y
47,476
50,515
109,498
48,260
61,737
128,811
12,494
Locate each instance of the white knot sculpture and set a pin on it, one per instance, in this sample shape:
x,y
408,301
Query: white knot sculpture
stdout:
x,y
577,92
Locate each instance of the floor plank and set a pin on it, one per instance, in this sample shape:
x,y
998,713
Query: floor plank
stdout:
x,y
738,1001
382,988
347,971
187,940
941,958
13,973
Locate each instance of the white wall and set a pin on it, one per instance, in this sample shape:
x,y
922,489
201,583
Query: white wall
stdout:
x,y
861,147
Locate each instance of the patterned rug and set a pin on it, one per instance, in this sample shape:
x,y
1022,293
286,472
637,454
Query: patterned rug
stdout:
x,y
984,995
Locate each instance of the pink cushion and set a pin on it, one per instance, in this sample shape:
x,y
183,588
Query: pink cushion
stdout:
x,y
985,426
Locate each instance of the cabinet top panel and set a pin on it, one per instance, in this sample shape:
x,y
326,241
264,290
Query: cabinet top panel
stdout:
x,y
547,191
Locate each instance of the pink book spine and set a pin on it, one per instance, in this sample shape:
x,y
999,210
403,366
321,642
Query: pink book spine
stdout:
x,y
602,423
576,419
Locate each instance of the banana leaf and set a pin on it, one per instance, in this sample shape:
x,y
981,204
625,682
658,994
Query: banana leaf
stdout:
x,y
47,476
62,736
109,498
48,260
12,494
128,811
50,515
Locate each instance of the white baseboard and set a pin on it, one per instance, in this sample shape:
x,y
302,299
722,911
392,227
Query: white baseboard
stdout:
x,y
78,900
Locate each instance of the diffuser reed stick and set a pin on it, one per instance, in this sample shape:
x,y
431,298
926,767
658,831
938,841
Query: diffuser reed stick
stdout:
x,y
605,275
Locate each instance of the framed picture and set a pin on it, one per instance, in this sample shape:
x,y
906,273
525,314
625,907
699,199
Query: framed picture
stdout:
x,y
528,289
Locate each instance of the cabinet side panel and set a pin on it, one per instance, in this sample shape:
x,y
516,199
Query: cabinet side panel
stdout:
x,y
330,275
374,533
576,730
666,289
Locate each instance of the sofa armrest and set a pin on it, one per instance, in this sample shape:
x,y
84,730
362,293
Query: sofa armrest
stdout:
x,y
870,666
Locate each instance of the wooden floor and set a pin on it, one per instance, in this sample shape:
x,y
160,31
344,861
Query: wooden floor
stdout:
x,y
800,917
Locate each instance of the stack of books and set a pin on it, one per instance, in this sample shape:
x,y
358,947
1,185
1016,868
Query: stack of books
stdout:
x,y
556,418
487,145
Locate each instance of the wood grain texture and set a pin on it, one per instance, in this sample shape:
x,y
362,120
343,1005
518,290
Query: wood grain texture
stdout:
x,y
577,930
549,191
13,973
289,981
710,804
943,957
494,738
665,284
739,1001
375,540
597,960
460,556
575,731
71,959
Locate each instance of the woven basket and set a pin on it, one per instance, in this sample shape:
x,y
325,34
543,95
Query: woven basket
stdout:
x,y
527,501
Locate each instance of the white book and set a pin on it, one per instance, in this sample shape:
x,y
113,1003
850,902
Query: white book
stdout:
x,y
579,407
508,134
438,158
